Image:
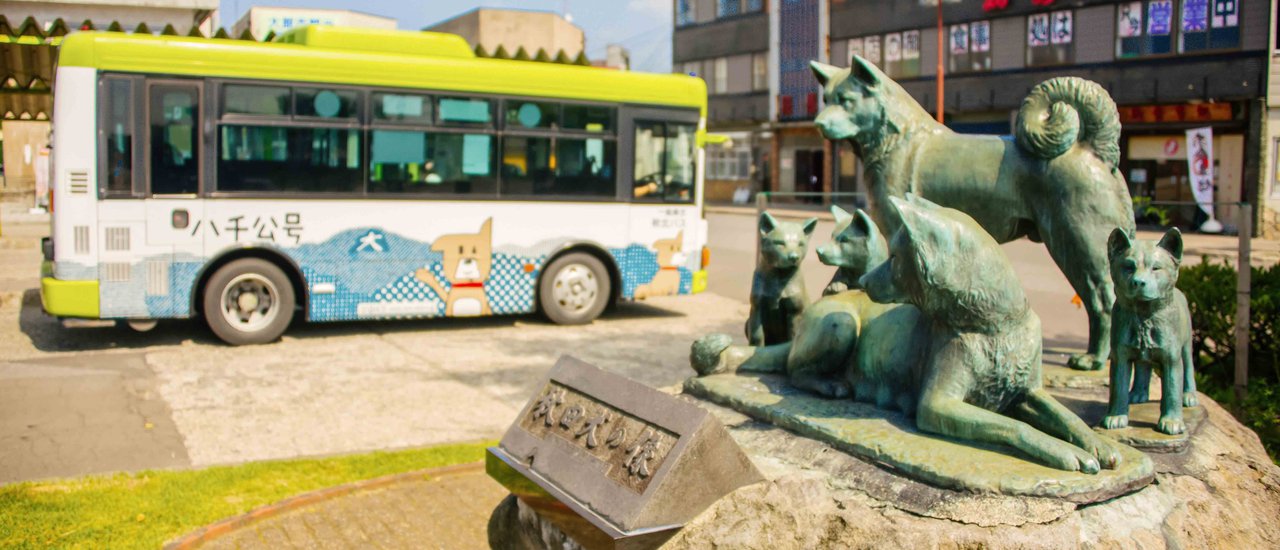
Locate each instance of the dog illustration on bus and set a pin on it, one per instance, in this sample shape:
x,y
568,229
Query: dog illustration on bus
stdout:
x,y
667,281
467,261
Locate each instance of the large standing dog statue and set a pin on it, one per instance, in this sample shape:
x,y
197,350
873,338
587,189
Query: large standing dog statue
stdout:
x,y
1056,181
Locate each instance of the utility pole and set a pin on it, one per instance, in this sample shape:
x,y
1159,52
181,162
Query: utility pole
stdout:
x,y
941,63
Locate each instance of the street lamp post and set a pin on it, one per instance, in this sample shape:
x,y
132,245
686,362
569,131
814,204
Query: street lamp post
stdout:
x,y
942,36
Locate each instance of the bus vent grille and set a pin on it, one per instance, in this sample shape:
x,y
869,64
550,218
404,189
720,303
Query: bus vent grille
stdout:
x,y
117,238
78,181
158,278
116,272
81,239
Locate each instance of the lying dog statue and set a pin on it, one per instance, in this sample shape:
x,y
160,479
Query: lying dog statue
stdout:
x,y
1055,181
1152,330
963,352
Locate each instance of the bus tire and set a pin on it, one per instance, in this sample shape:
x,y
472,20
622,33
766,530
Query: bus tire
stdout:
x,y
248,301
574,289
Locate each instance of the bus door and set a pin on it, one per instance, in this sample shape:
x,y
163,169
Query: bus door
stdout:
x,y
665,219
174,212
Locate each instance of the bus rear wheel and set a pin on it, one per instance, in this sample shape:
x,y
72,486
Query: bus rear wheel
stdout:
x,y
248,301
574,289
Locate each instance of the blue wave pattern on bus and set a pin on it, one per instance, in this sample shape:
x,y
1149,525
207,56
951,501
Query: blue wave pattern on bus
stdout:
x,y
362,276
639,265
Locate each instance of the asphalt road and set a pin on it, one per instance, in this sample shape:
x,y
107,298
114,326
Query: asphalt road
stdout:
x,y
91,400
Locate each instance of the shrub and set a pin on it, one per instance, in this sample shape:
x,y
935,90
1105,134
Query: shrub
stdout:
x,y
1210,288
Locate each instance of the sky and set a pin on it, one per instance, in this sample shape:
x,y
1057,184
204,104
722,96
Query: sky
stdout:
x,y
641,26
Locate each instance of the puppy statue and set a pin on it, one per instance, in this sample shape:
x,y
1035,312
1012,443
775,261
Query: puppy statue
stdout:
x,y
777,288
1151,330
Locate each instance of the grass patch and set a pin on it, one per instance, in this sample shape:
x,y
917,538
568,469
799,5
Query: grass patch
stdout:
x,y
146,509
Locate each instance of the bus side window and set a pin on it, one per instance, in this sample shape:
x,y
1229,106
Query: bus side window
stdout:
x,y
175,141
117,132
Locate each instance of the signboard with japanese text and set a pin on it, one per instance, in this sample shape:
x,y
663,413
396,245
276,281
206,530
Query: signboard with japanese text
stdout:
x,y
1061,27
1129,20
871,49
623,458
892,47
959,38
980,36
1195,15
1226,13
1038,30
1200,166
911,45
1159,17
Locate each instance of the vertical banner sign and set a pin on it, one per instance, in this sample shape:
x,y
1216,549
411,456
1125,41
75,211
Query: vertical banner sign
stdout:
x,y
1226,13
892,48
1200,166
1159,17
1129,23
1195,15
1061,33
872,48
980,36
855,48
1038,30
911,45
959,39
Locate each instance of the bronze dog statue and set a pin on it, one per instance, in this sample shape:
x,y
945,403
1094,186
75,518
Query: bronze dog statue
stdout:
x,y
1056,181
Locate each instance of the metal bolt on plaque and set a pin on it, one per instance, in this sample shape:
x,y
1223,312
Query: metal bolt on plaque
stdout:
x,y
614,463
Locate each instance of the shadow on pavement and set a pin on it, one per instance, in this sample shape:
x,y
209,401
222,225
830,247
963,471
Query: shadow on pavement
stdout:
x,y
48,334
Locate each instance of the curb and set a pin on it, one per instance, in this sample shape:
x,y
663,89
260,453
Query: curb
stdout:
x,y
228,525
790,213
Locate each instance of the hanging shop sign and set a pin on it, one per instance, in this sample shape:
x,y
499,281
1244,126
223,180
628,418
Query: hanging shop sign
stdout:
x,y
1062,27
1129,20
980,36
1159,17
1200,166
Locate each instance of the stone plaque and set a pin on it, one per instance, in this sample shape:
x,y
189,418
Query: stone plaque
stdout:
x,y
613,462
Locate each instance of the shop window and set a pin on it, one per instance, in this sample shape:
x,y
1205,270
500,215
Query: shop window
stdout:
x,y
664,161
1050,38
1209,25
275,159
432,162
760,71
1144,28
720,75
726,8
117,131
969,47
685,14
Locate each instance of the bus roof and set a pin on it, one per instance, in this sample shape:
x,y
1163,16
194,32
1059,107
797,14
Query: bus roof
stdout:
x,y
400,59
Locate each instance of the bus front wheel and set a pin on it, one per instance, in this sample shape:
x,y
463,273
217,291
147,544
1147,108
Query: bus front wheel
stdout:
x,y
248,301
575,289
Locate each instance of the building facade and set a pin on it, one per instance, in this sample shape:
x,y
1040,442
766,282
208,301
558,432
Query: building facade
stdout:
x,y
1170,65
512,30
263,22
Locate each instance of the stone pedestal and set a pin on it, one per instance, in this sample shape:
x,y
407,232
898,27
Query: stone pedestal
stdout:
x,y
1222,491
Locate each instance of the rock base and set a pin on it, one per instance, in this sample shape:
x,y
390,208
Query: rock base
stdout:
x,y
1222,491
1142,434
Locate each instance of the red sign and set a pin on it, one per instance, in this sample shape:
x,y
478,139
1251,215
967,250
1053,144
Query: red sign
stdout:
x,y
1185,112
1170,147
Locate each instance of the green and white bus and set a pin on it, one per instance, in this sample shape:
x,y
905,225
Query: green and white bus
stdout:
x,y
343,174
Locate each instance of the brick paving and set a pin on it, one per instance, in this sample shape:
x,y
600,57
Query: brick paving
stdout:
x,y
447,511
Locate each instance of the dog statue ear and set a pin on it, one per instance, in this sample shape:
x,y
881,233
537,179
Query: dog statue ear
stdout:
x,y
841,215
864,222
822,71
1119,243
767,223
865,71
809,225
1172,241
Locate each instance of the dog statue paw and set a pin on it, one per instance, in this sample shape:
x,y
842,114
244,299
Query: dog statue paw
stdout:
x,y
1115,421
1171,426
1086,361
1189,399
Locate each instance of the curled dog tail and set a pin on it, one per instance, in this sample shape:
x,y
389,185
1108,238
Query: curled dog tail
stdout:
x,y
1061,112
